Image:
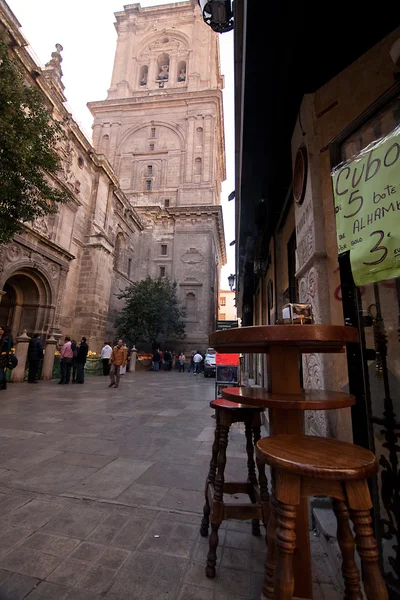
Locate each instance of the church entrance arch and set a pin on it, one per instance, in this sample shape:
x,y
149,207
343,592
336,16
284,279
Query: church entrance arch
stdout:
x,y
27,303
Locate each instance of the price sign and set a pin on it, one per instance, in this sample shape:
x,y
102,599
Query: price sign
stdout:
x,y
367,208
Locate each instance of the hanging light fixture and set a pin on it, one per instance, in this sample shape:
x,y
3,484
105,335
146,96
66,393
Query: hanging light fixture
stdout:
x,y
217,14
231,281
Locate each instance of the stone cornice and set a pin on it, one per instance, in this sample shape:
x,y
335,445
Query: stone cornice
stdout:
x,y
181,98
61,256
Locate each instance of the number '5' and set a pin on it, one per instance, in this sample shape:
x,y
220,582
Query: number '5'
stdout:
x,y
352,199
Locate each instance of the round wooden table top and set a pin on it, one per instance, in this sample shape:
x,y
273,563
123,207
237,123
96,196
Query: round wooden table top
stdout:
x,y
307,400
307,338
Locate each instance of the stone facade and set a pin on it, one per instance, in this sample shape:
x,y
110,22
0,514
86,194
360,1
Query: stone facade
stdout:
x,y
57,273
161,128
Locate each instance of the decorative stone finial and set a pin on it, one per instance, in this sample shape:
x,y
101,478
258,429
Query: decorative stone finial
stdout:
x,y
54,63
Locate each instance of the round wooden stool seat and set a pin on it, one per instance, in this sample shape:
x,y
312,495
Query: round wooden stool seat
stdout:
x,y
317,457
220,403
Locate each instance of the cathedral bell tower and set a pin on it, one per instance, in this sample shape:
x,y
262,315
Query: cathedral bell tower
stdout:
x,y
161,128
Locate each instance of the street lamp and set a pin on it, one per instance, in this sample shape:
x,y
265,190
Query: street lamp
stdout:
x,y
231,281
217,14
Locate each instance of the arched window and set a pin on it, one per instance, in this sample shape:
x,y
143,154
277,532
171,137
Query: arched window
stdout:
x,y
163,69
143,74
119,253
190,304
199,136
105,140
181,76
197,166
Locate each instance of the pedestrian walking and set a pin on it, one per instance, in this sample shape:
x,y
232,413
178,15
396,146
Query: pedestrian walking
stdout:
x,y
35,355
197,358
81,360
122,369
106,352
6,343
191,364
181,362
118,359
66,356
74,348
160,362
167,360
156,360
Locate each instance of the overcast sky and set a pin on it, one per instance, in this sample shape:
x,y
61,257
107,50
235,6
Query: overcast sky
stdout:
x,y
85,29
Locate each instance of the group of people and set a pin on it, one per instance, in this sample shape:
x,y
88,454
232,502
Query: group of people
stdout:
x,y
162,359
72,360
166,359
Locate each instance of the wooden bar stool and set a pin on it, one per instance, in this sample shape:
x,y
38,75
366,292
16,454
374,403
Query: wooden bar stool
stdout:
x,y
216,509
314,466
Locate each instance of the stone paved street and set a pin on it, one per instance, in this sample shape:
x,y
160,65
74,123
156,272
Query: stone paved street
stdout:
x,y
101,495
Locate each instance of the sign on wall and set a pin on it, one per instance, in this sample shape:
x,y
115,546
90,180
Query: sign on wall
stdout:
x,y
226,325
367,207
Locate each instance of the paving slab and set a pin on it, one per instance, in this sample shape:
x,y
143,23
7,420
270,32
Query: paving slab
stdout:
x,y
102,491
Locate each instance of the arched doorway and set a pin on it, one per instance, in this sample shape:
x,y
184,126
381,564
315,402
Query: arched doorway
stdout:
x,y
27,303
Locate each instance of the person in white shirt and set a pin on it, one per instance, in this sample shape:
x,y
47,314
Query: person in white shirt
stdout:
x,y
105,357
197,358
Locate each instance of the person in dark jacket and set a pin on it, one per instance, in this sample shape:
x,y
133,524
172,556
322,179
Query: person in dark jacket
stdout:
x,y
156,360
81,360
35,355
6,343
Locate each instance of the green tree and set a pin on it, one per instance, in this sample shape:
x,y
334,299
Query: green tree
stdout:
x,y
28,151
152,312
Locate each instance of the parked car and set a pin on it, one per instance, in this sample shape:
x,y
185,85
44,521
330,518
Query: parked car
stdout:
x,y
209,362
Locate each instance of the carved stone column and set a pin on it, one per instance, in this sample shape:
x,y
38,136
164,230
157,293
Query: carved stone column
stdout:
x,y
61,287
48,360
312,267
21,353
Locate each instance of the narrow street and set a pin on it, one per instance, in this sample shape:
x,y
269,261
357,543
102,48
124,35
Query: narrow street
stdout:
x,y
101,495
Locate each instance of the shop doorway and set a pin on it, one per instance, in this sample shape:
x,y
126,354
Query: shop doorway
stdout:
x,y
374,365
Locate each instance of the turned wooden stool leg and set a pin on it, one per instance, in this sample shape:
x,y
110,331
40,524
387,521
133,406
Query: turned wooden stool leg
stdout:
x,y
210,478
359,501
251,470
270,538
217,513
286,544
262,480
351,574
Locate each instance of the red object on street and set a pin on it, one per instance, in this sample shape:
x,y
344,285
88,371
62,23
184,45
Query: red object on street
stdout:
x,y
230,360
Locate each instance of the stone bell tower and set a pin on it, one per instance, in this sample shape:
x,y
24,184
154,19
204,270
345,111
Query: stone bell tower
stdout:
x,y
161,128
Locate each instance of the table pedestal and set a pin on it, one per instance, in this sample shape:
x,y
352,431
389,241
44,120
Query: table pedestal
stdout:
x,y
284,378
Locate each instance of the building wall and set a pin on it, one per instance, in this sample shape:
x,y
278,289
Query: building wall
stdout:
x,y
227,308
164,137
59,272
324,115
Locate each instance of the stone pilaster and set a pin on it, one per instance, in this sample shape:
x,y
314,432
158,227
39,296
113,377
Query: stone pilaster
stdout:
x,y
312,268
208,145
190,149
48,360
21,353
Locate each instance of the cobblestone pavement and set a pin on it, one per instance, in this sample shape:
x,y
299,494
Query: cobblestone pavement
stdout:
x,y
101,494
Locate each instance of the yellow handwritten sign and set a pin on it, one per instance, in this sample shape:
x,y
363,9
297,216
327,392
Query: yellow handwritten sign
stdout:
x,y
367,207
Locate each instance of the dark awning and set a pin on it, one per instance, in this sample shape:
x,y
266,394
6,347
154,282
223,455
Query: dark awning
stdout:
x,y
283,51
